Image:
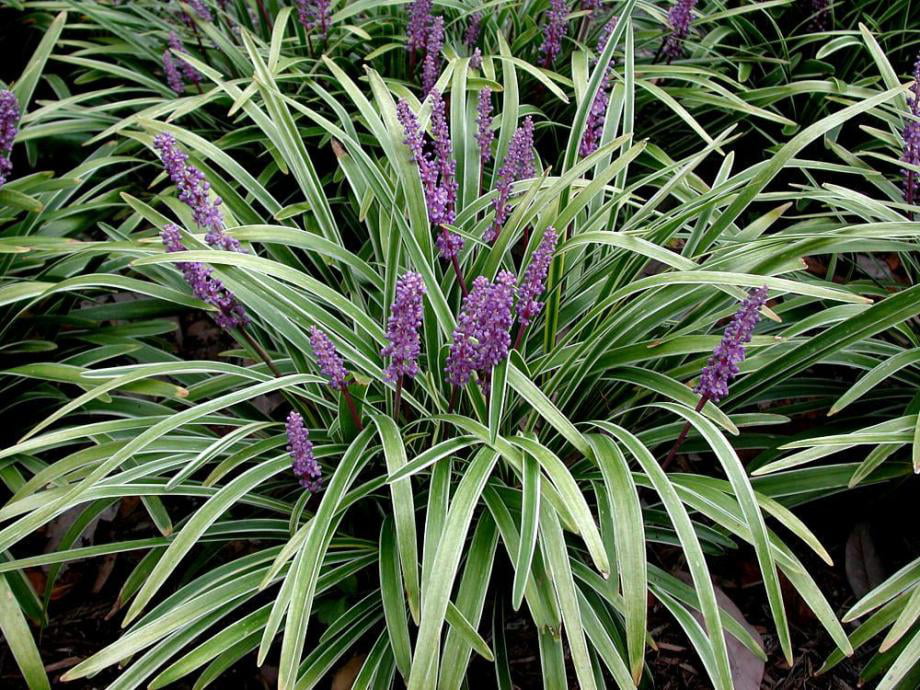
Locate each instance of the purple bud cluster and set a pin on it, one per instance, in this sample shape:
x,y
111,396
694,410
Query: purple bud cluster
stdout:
x,y
594,126
417,28
911,136
484,135
679,19
314,14
173,78
518,165
820,15
554,31
432,66
722,366
594,6
437,169
604,35
473,29
476,59
482,336
194,192
230,313
9,128
306,468
528,308
175,69
403,341
201,10
327,357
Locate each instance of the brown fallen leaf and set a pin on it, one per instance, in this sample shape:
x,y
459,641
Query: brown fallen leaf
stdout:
x,y
345,676
863,567
746,668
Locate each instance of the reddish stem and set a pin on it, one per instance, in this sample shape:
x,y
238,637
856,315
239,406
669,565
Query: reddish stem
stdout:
x,y
683,434
460,280
352,409
255,345
520,337
268,20
397,399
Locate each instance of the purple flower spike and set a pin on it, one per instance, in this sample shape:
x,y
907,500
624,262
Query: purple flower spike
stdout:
x,y
528,308
554,31
306,469
476,59
201,10
604,36
722,366
594,127
473,29
485,135
404,344
189,72
679,19
444,158
518,165
328,359
417,28
432,67
193,191
173,78
314,14
594,6
820,15
205,286
437,172
911,136
496,322
9,128
482,336
449,244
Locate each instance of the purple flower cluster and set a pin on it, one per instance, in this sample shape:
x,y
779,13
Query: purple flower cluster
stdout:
x,y
484,135
432,66
306,469
205,286
679,19
313,14
554,31
528,308
173,78
328,359
194,192
9,128
604,35
594,126
437,169
417,28
722,366
518,165
911,136
483,334
820,15
176,70
201,10
476,59
404,344
473,29
594,6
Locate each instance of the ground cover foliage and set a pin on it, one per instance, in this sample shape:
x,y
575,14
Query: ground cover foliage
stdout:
x,y
368,326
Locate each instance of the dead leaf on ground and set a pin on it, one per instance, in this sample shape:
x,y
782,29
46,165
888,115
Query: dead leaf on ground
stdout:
x,y
345,676
863,567
746,668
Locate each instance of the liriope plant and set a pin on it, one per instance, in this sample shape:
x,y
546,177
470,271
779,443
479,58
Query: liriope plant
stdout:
x,y
568,294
